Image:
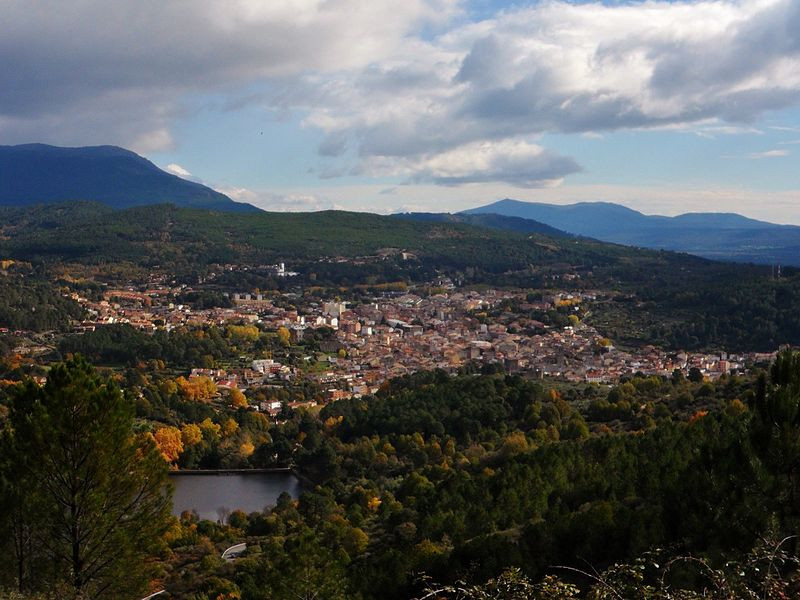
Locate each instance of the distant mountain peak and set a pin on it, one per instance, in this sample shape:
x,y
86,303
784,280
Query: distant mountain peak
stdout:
x,y
43,174
583,218
721,236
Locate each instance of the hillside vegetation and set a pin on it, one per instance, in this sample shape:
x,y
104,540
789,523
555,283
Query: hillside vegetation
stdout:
x,y
464,477
177,238
646,296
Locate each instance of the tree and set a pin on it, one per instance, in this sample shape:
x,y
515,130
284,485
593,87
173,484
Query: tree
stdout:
x,y
238,399
94,496
230,427
210,430
169,442
695,375
302,569
191,435
775,430
200,389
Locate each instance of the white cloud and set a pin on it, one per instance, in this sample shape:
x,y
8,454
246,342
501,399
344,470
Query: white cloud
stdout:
x,y
238,194
768,154
153,141
713,131
784,128
291,201
563,67
398,87
514,162
178,170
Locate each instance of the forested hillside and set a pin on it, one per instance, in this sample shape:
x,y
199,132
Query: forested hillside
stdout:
x,y
35,304
179,239
462,478
666,298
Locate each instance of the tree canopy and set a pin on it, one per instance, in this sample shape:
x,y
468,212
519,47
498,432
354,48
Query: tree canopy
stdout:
x,y
86,499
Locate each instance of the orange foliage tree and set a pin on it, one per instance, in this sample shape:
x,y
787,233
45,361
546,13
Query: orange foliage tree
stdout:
x,y
200,389
238,399
169,442
191,434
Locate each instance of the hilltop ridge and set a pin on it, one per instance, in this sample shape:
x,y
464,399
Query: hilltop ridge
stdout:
x,y
719,236
119,178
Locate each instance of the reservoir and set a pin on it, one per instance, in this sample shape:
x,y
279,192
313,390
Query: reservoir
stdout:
x,y
215,495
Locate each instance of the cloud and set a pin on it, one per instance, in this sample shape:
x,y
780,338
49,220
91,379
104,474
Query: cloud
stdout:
x,y
237,194
292,201
713,131
411,89
517,163
178,170
565,67
768,154
410,208
122,70
333,145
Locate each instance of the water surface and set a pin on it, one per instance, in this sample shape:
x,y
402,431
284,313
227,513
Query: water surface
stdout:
x,y
215,495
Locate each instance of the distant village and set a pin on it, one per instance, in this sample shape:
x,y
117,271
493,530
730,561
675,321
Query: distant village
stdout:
x,y
401,333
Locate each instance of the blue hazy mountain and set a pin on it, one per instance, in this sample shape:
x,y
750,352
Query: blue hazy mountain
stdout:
x,y
42,174
721,236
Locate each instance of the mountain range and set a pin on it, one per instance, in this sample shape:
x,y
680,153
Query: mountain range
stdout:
x,y
41,174
720,236
33,174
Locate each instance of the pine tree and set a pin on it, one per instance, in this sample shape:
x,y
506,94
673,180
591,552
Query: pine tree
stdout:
x,y
92,496
775,433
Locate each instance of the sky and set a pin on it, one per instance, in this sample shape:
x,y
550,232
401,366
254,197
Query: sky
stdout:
x,y
424,105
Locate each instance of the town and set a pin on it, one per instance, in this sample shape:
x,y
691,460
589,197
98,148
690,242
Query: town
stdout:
x,y
364,343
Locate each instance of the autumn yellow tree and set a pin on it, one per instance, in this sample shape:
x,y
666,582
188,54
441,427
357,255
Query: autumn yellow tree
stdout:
x,y
169,443
230,427
244,332
238,399
168,387
246,448
191,435
211,430
200,389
